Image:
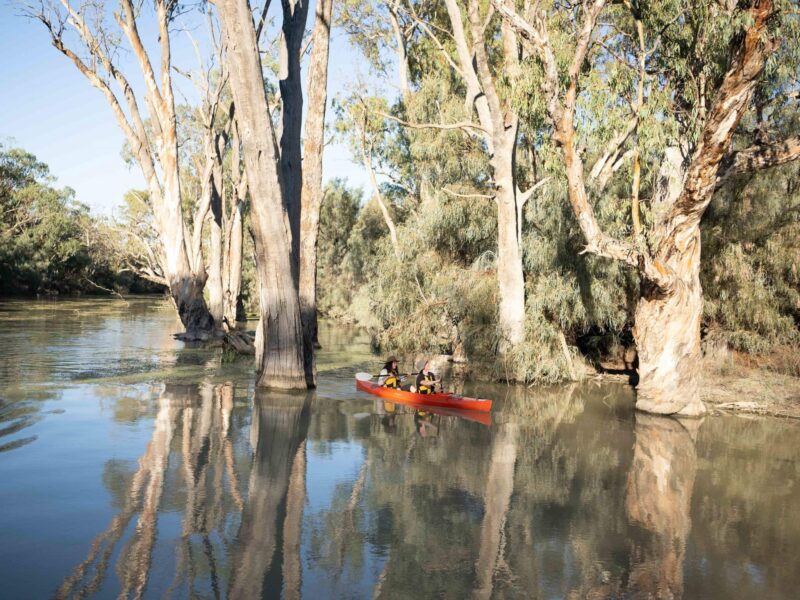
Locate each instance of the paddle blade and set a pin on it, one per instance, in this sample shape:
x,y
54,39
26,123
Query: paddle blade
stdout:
x,y
363,376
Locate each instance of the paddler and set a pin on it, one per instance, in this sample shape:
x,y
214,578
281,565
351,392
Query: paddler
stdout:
x,y
390,375
426,379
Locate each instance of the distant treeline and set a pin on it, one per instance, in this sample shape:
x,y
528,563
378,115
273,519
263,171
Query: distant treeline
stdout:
x,y
49,242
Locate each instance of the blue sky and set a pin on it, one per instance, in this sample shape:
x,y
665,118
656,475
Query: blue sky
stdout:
x,y
51,110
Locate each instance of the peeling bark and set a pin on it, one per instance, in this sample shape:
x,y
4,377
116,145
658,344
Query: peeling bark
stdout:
x,y
667,328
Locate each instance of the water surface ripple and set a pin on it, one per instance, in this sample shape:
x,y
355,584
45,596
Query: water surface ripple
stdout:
x,y
132,465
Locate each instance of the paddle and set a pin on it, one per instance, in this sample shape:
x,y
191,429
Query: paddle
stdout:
x,y
367,376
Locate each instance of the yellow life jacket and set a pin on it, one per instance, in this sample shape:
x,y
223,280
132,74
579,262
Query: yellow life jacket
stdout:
x,y
426,389
392,381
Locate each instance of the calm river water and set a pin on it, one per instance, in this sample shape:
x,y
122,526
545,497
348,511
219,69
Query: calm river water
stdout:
x,y
134,466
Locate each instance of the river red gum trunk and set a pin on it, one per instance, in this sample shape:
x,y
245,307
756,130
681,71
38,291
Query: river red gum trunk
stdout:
x,y
667,333
312,173
510,277
279,336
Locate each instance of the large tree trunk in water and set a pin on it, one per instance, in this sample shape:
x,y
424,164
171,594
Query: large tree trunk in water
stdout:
x,y
187,293
667,333
279,336
667,322
312,173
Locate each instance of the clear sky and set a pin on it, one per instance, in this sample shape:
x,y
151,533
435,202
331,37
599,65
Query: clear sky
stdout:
x,y
48,108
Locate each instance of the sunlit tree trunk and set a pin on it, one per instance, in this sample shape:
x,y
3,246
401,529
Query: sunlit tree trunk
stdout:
x,y
279,336
510,277
312,171
667,327
499,125
234,238
154,149
215,271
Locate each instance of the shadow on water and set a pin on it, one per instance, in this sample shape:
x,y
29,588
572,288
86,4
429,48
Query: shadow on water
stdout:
x,y
211,489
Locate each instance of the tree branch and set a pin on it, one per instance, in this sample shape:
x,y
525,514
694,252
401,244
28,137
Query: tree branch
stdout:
x,y
758,157
465,125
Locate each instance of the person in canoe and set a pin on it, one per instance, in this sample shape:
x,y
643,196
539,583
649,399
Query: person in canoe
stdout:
x,y
390,375
426,379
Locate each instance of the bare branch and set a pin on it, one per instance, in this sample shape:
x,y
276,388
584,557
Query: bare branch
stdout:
x,y
464,125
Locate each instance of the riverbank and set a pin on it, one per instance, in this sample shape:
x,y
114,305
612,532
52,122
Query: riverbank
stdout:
x,y
753,391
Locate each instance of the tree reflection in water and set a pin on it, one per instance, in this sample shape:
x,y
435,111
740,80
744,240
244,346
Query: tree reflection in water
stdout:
x,y
568,494
658,499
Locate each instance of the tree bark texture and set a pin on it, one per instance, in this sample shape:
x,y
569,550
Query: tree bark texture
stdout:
x,y
312,172
279,336
295,15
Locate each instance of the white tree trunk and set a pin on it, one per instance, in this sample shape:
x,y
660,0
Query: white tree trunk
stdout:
x,y
312,172
510,277
232,269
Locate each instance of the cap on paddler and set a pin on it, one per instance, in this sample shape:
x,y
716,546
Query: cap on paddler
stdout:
x,y
421,364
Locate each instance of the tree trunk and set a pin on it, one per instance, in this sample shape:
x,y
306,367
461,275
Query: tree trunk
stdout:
x,y
279,336
667,333
510,277
667,322
312,173
215,292
295,15
187,293
232,270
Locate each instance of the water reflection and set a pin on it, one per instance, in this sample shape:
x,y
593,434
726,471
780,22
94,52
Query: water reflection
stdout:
x,y
195,486
543,503
658,500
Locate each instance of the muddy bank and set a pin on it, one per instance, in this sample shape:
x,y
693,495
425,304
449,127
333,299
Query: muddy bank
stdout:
x,y
752,390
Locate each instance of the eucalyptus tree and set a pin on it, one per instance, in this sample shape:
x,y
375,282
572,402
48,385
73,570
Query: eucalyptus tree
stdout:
x,y
313,145
705,61
94,50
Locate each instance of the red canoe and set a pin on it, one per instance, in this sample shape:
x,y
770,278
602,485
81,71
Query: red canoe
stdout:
x,y
443,399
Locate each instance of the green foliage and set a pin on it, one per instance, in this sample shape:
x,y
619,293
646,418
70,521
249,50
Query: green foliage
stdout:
x,y
49,243
750,271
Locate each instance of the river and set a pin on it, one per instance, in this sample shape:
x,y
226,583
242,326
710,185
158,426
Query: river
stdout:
x,y
132,465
